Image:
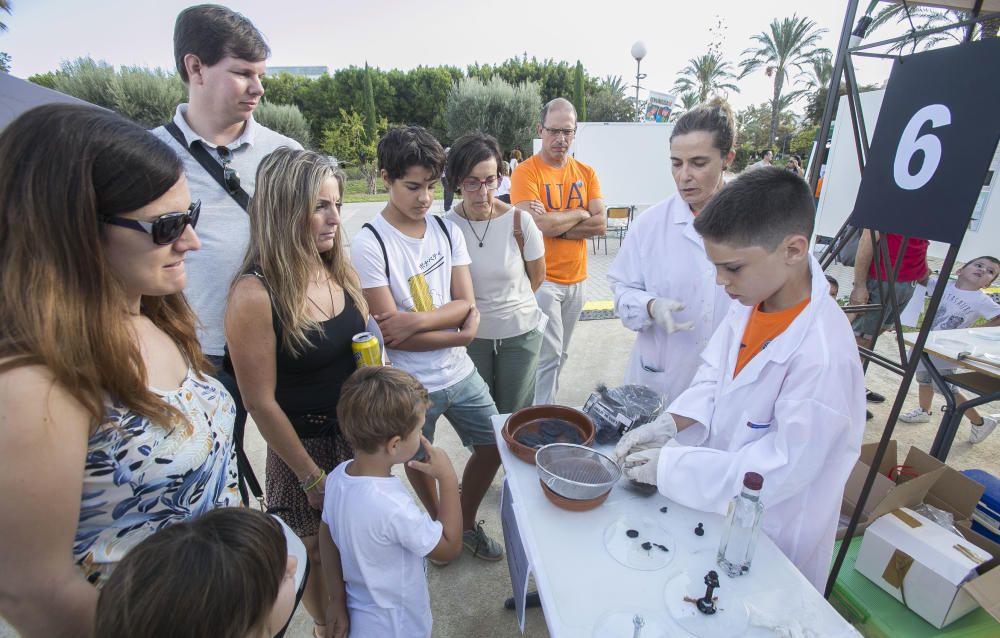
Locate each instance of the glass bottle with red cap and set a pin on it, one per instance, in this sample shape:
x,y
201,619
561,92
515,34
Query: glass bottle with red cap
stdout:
x,y
739,536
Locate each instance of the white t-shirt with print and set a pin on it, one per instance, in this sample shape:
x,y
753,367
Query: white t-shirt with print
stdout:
x,y
504,297
959,309
962,308
419,280
383,538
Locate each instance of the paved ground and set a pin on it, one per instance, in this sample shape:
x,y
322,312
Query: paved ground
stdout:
x,y
467,596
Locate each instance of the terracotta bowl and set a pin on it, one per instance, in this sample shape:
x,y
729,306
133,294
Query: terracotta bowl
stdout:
x,y
570,504
530,419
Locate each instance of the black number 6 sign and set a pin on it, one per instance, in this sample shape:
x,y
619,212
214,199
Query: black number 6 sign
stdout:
x,y
936,133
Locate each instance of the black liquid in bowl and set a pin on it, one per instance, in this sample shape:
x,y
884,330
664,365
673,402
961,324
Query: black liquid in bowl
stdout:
x,y
535,434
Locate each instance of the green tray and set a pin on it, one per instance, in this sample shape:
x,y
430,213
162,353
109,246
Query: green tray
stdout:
x,y
876,614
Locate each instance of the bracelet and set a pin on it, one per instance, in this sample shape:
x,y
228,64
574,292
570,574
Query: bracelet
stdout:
x,y
311,486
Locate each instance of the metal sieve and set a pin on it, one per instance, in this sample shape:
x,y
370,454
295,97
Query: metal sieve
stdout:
x,y
576,471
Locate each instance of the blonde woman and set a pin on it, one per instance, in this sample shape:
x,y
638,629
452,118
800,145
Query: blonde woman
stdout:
x,y
291,316
109,428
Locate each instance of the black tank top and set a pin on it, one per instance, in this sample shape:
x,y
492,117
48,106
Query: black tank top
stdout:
x,y
308,386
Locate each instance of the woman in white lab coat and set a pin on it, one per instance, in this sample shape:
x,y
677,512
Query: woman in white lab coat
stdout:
x,y
664,285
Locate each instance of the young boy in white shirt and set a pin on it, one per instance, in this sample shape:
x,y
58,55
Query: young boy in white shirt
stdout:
x,y
780,390
374,538
963,304
414,272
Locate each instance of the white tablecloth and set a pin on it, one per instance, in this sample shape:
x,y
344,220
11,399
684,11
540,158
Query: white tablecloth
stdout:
x,y
580,584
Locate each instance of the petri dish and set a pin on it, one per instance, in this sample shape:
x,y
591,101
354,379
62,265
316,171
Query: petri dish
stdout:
x,y
628,549
621,624
730,619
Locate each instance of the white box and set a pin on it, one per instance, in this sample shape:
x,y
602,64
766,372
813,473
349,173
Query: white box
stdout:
x,y
921,564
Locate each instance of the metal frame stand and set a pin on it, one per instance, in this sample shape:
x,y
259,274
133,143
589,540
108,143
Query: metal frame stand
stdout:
x,y
906,366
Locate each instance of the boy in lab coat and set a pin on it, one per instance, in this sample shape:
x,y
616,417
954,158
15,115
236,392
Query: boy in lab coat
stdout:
x,y
780,390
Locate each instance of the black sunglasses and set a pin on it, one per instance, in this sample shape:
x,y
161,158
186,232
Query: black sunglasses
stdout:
x,y
165,229
229,174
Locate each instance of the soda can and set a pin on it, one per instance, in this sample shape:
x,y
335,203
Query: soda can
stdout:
x,y
367,352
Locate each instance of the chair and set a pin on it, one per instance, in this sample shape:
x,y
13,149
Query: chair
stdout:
x,y
619,218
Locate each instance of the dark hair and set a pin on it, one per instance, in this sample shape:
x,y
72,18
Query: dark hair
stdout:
x,y
212,32
987,258
833,281
715,117
378,403
466,152
765,151
65,168
759,208
214,576
403,147
561,103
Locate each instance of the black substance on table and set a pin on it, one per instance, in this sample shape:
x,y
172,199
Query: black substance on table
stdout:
x,y
664,509
699,531
706,605
539,432
632,533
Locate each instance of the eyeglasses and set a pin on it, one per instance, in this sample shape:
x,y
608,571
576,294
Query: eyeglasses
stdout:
x,y
165,229
472,185
229,174
556,132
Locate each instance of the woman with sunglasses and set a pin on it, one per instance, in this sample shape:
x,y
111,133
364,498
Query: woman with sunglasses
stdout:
x,y
291,316
508,265
110,428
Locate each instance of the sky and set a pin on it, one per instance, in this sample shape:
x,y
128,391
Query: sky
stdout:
x,y
404,34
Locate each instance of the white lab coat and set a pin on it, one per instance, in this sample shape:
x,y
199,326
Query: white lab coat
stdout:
x,y
663,256
795,414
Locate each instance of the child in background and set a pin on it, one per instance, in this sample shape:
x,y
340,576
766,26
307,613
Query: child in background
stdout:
x,y
780,390
963,304
834,286
225,574
373,550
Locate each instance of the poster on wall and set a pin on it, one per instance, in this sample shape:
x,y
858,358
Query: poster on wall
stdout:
x,y
659,106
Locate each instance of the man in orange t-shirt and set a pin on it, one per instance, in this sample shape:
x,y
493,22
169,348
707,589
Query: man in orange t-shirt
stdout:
x,y
564,198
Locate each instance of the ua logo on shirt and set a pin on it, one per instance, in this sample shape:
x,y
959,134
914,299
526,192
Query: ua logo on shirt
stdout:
x,y
575,195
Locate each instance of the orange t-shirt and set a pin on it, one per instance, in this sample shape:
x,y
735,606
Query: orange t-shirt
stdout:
x,y
763,328
559,189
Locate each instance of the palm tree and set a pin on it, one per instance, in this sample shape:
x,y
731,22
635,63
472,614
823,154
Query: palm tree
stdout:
x,y
706,75
689,101
790,44
4,6
921,18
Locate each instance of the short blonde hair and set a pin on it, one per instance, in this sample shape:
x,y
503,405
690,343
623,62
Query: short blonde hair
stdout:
x,y
378,403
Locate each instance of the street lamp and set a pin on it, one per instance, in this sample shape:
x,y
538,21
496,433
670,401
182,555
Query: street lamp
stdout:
x,y
638,52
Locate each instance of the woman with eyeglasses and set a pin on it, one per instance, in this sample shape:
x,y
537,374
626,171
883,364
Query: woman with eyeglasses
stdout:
x,y
508,265
109,427
291,316
663,282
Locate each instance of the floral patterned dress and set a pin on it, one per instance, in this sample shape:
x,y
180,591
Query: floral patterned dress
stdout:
x,y
140,477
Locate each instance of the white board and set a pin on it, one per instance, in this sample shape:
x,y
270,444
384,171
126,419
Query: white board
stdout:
x,y
842,179
632,160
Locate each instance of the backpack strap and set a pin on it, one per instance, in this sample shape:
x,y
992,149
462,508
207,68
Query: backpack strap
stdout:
x,y
444,229
385,255
197,150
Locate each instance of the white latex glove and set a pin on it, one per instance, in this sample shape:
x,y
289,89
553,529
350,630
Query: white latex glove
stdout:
x,y
653,435
662,312
641,466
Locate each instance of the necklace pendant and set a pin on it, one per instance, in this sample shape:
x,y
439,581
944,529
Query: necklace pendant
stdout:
x,y
480,244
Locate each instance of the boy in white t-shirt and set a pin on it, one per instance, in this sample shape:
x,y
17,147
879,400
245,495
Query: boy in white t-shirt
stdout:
x,y
414,272
963,304
373,538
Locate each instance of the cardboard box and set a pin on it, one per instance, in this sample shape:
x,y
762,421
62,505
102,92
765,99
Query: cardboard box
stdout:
x,y
937,574
919,479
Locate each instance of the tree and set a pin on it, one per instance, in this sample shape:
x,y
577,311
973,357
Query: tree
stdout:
x,y
4,6
147,96
609,102
705,76
348,141
579,94
286,119
420,96
554,79
496,107
753,126
922,18
4,62
371,123
790,44
88,79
